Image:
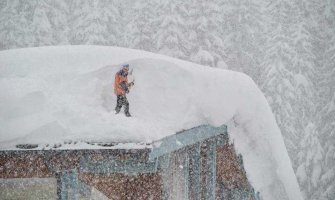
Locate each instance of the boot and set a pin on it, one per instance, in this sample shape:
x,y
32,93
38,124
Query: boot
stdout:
x,y
127,114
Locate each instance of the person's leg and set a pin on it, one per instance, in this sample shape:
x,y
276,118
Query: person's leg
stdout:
x,y
126,106
118,104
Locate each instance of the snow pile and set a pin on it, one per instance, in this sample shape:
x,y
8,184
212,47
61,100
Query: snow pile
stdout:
x,y
54,94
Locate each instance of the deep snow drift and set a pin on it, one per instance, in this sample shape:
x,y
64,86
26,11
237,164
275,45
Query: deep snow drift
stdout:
x,y
56,94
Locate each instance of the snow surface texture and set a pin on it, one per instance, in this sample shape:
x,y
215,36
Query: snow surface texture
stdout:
x,y
57,94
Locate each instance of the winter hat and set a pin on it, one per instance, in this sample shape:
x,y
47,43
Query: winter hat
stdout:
x,y
125,66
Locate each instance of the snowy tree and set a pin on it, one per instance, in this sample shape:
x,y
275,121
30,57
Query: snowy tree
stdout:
x,y
37,23
244,29
42,30
58,17
171,36
206,40
89,24
327,103
277,80
308,62
310,156
118,20
323,31
294,104
140,28
303,63
14,26
279,90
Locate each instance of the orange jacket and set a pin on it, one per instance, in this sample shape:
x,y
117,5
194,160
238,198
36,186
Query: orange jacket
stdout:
x,y
120,89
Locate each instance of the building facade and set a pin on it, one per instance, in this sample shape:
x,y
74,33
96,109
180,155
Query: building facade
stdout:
x,y
199,163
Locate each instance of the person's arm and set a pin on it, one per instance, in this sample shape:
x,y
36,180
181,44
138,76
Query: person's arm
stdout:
x,y
124,86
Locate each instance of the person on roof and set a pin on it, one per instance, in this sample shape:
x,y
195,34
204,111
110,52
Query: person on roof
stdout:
x,y
121,88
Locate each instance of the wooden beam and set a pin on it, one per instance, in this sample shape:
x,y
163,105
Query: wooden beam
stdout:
x,y
208,171
165,169
185,138
194,172
67,185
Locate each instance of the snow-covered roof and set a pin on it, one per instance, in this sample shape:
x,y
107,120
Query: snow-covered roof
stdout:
x,y
56,94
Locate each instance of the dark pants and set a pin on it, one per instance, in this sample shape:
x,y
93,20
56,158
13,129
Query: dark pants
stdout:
x,y
122,100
